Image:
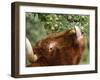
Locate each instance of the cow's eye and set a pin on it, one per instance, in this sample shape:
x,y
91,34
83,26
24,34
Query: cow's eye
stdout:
x,y
50,49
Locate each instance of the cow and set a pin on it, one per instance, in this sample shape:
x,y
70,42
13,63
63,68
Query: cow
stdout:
x,y
64,48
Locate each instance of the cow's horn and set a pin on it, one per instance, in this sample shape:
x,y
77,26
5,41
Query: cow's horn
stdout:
x,y
78,32
29,52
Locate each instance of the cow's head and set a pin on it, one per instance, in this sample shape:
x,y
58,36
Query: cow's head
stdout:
x,y
65,48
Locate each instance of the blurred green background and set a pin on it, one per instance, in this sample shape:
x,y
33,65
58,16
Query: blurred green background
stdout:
x,y
39,25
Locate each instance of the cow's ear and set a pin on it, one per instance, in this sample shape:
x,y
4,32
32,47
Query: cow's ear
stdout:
x,y
72,31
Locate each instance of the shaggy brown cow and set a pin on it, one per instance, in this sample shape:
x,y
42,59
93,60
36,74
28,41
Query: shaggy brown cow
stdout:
x,y
65,48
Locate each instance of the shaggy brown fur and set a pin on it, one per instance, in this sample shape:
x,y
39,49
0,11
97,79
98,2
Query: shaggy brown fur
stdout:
x,y
61,49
